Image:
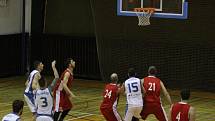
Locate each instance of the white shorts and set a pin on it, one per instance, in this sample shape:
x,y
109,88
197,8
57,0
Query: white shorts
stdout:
x,y
44,118
133,111
29,99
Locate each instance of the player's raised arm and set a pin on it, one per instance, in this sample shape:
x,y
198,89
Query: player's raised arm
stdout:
x,y
56,75
165,92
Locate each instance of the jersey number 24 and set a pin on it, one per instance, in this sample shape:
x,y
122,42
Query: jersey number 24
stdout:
x,y
108,93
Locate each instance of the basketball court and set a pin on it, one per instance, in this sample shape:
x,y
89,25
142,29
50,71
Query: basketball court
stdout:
x,y
87,105
109,36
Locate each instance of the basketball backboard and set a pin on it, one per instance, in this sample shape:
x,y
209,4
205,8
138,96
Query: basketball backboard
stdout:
x,y
177,9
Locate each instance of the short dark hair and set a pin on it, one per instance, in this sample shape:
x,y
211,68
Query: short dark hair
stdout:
x,y
131,72
67,62
42,81
185,94
152,70
36,64
17,105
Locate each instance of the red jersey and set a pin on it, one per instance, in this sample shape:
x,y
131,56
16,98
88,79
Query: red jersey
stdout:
x,y
61,99
69,83
152,87
180,111
110,96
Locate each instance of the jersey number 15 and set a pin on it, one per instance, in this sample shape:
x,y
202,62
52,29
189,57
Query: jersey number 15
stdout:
x,y
133,87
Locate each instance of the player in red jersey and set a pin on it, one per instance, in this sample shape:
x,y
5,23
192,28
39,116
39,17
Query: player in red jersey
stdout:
x,y
62,93
152,101
110,99
182,111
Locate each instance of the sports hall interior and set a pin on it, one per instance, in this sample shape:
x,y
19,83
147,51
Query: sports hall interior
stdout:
x,y
101,43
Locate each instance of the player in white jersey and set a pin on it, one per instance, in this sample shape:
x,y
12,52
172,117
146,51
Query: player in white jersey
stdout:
x,y
43,102
43,97
134,95
32,85
17,111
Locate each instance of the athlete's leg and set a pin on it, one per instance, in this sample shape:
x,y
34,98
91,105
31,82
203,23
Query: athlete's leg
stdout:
x,y
160,114
137,111
63,115
108,114
134,119
116,115
146,111
30,102
129,114
29,99
56,116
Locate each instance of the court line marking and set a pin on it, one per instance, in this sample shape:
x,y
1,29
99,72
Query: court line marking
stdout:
x,y
79,112
5,110
80,117
8,104
88,114
10,109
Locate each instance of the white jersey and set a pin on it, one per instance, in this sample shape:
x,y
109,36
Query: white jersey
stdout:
x,y
11,117
30,80
43,102
133,92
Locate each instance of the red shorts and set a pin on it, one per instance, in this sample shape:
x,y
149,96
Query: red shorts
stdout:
x,y
61,101
153,108
110,114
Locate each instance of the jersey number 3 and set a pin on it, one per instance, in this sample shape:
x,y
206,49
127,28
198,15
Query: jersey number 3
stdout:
x,y
44,100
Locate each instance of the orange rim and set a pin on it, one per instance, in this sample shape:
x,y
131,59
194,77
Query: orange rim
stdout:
x,y
151,10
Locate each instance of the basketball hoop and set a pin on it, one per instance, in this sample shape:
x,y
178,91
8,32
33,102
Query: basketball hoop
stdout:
x,y
144,15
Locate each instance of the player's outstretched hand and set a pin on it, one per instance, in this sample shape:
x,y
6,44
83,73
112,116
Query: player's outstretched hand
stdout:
x,y
53,63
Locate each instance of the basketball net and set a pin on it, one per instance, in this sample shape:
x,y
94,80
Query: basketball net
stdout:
x,y
144,15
